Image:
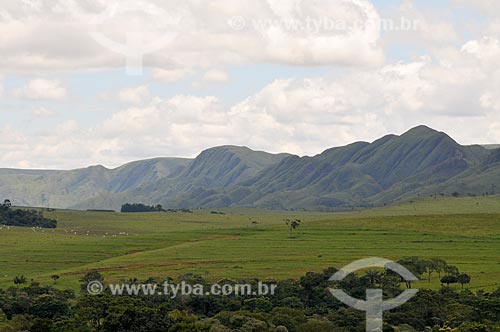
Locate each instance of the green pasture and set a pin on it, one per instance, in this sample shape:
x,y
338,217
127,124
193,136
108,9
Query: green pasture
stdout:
x,y
245,243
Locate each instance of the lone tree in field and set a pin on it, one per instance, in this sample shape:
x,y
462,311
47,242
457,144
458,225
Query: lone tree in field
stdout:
x,y
449,279
19,280
451,270
463,279
55,277
439,265
292,224
434,265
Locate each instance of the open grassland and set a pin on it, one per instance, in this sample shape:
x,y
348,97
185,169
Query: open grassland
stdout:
x,y
252,243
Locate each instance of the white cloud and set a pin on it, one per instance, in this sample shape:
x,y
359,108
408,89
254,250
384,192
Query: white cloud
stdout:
x,y
430,30
456,93
170,75
452,88
490,7
42,89
42,113
135,96
216,76
485,50
200,34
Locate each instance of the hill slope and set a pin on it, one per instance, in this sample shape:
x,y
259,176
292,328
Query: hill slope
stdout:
x,y
360,174
421,162
149,181
218,167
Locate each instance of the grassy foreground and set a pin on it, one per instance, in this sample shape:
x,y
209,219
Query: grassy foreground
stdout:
x,y
463,231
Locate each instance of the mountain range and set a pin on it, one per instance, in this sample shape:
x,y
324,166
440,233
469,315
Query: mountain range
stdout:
x,y
421,162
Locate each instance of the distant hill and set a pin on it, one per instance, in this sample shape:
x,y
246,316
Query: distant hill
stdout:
x,y
67,189
358,175
421,162
154,180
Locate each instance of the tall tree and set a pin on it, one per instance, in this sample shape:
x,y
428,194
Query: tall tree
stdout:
x,y
292,225
463,279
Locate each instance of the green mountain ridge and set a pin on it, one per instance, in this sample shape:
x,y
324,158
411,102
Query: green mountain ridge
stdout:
x,y
360,174
421,162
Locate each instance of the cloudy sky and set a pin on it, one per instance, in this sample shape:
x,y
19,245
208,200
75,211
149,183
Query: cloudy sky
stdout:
x,y
85,82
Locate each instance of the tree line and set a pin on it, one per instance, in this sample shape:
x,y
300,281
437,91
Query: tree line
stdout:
x,y
425,268
139,207
302,305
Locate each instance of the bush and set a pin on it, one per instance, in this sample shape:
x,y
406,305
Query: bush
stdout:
x,y
24,218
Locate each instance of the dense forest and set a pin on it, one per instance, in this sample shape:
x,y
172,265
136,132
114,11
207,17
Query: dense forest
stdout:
x,y
24,218
303,305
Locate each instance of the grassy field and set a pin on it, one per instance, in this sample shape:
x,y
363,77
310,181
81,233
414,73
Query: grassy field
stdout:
x,y
463,231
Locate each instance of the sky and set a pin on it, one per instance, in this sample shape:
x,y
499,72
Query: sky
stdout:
x,y
99,82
